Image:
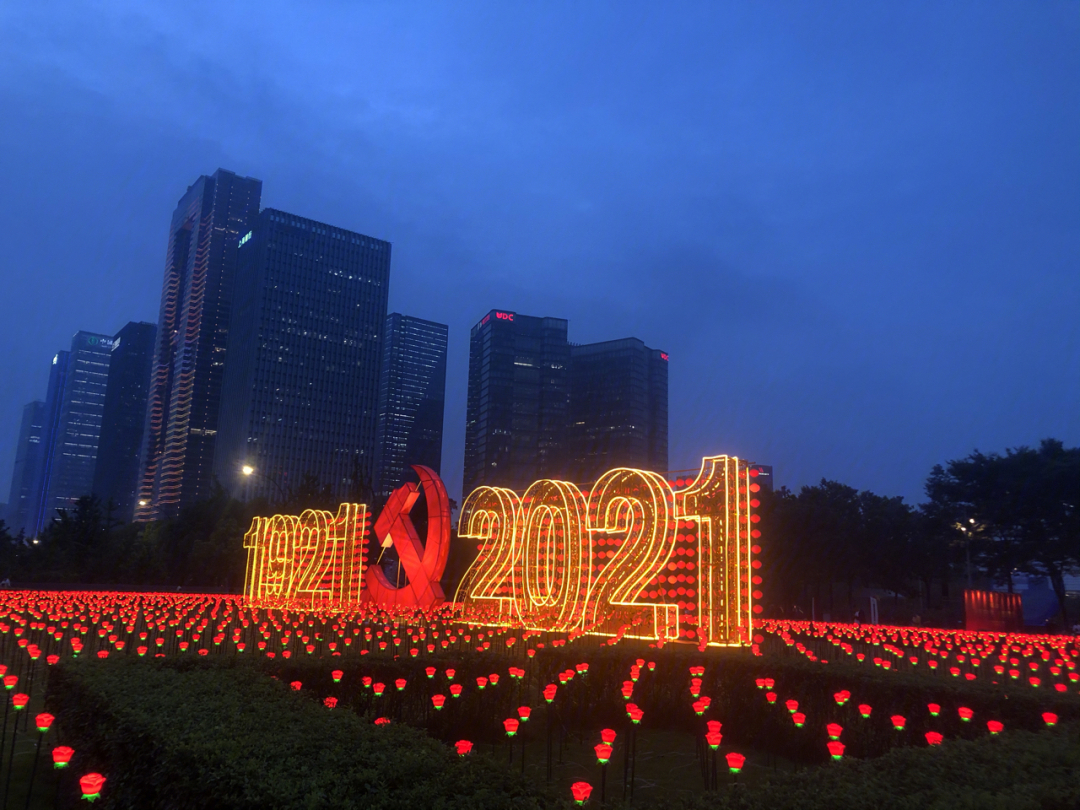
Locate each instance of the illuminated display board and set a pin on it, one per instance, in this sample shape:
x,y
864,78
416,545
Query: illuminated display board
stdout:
x,y
632,556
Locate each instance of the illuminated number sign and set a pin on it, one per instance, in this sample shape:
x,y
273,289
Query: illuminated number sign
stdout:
x,y
318,558
633,555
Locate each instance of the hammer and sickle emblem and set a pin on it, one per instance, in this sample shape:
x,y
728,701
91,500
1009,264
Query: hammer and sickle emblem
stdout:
x,y
423,562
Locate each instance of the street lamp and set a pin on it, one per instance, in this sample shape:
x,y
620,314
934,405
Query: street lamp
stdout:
x,y
249,471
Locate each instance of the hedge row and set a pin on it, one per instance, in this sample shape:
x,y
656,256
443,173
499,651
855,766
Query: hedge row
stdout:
x,y
209,734
1018,770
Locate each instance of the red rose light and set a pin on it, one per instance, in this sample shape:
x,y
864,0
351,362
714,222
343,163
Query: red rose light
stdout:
x,y
379,688
792,705
19,700
581,791
437,701
482,682
965,713
713,738
430,672
296,686
549,695
995,726
450,674
933,738
735,762
799,718
934,708
603,752
834,730
382,721
61,756
836,749
865,709
463,747
714,725
43,721
608,735
330,702
1050,718
337,675
400,684
91,785
455,690
523,713
511,725
493,679
771,697
52,659
635,714
898,721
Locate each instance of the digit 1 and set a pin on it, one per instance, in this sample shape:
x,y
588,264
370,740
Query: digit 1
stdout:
x,y
255,543
717,501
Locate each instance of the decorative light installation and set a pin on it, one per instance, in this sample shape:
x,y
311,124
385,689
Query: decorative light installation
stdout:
x,y
319,559
634,557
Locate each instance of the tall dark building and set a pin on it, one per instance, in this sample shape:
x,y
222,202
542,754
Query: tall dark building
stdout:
x,y
189,361
412,394
518,401
116,475
73,410
27,462
618,408
301,385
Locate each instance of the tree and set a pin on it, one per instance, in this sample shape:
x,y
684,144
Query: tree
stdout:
x,y
1016,512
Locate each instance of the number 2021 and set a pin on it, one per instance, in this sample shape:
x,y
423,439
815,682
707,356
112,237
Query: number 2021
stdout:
x,y
633,555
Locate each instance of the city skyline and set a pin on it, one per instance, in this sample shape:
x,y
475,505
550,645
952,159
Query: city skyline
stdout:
x,y
860,273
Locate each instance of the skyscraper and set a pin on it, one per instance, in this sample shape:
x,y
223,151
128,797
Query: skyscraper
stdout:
x,y
116,474
27,462
412,395
618,408
72,429
189,361
516,417
301,385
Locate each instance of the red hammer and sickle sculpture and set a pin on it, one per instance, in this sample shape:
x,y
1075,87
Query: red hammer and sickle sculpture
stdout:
x,y
423,563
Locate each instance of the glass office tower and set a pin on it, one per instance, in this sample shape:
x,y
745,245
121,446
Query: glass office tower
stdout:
x,y
618,408
301,386
73,410
412,395
189,361
515,428
116,474
25,471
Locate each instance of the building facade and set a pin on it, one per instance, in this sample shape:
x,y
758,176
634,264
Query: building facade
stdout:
x,y
618,408
116,474
193,329
301,385
27,461
73,410
518,400
412,396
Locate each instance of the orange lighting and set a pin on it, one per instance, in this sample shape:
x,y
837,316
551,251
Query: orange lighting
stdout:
x,y
632,557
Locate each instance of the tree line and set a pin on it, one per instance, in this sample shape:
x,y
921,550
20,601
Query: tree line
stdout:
x,y
986,517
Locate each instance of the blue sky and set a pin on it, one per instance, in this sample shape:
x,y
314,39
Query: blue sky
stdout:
x,y
855,227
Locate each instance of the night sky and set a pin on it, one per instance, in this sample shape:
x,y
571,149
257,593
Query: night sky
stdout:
x,y
854,227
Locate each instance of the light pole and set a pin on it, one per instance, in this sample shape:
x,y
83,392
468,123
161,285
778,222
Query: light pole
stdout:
x,y
249,471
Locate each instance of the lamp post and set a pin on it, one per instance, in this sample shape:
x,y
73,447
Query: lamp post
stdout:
x,y
247,470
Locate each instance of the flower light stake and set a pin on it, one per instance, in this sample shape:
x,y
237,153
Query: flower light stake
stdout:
x,y
91,785
581,792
